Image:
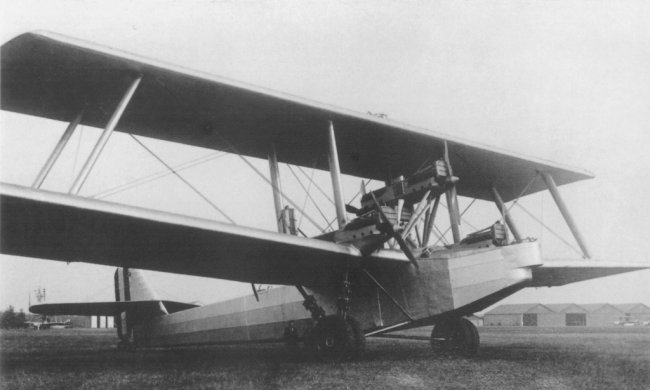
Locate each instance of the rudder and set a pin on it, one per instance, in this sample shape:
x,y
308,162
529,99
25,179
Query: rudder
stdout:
x,y
130,285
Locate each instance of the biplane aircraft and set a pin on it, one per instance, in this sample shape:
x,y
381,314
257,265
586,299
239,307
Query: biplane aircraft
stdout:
x,y
377,271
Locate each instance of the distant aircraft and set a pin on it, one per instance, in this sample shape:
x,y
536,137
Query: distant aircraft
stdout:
x,y
377,271
45,324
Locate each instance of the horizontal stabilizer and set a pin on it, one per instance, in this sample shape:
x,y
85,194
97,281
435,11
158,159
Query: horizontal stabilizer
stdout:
x,y
143,308
559,273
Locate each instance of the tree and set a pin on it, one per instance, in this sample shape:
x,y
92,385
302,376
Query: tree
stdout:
x,y
11,320
21,318
8,318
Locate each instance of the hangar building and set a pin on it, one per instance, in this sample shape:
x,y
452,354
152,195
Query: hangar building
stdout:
x,y
525,314
603,314
568,314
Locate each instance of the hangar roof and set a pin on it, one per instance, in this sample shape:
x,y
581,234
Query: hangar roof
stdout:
x,y
569,307
566,308
520,308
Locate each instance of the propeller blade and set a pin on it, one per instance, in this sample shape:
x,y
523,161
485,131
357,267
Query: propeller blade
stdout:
x,y
381,212
428,229
452,198
351,209
417,214
400,207
397,236
407,250
447,161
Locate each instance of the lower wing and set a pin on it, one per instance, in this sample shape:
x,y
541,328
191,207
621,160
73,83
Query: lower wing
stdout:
x,y
55,226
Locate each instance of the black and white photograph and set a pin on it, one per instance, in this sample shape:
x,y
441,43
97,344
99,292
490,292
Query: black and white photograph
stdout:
x,y
344,194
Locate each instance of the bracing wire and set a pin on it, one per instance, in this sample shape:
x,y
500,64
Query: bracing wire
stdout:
x,y
449,228
461,214
530,183
550,230
214,206
351,200
305,202
291,202
307,193
158,175
231,147
316,185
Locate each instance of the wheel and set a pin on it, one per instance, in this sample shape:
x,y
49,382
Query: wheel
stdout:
x,y
457,337
334,339
358,339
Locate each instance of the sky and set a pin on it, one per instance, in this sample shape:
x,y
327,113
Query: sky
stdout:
x,y
563,81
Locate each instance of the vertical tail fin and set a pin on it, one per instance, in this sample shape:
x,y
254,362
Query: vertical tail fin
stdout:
x,y
130,285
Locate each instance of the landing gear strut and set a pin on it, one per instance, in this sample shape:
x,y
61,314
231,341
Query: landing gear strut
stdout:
x,y
335,339
455,337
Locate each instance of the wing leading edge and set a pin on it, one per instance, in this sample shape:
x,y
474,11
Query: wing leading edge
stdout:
x,y
54,226
53,76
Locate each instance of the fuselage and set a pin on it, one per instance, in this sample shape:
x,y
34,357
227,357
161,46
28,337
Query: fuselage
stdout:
x,y
458,281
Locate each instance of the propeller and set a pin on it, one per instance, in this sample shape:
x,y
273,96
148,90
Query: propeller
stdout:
x,y
352,210
396,235
417,214
448,162
400,208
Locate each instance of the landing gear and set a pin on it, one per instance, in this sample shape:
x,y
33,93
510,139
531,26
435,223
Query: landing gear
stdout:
x,y
335,339
455,337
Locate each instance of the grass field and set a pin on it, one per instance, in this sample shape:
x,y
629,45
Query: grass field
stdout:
x,y
509,358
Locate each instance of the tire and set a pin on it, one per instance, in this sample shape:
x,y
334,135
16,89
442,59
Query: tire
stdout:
x,y
455,337
335,340
358,339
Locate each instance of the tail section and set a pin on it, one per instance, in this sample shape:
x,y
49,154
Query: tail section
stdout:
x,y
130,285
135,304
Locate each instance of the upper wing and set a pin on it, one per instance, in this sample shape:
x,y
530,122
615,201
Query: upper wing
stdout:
x,y
559,273
61,227
53,76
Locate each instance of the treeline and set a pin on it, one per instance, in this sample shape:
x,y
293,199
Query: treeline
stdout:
x,y
12,320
